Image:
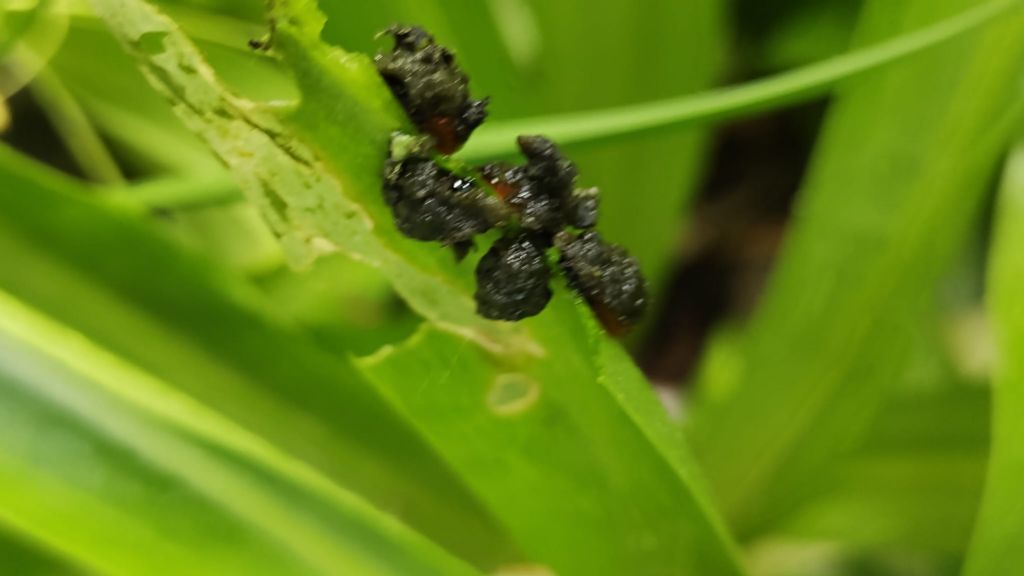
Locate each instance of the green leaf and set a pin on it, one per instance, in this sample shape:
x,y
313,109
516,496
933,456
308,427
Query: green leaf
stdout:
x,y
75,129
213,339
25,49
124,474
896,182
15,29
142,130
995,548
915,483
18,556
577,459
315,174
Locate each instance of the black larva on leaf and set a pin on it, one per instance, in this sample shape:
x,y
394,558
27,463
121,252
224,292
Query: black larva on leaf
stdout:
x,y
581,210
606,276
541,191
546,165
424,78
432,204
512,278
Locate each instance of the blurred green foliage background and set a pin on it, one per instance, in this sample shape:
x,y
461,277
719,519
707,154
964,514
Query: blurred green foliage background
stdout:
x,y
175,398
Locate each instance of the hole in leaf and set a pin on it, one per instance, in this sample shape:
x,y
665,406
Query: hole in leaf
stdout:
x,y
512,394
152,43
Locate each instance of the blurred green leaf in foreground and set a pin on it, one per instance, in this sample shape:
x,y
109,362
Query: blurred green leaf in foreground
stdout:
x,y
996,546
128,443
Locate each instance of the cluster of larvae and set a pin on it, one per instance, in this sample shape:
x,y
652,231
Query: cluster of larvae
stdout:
x,y
536,205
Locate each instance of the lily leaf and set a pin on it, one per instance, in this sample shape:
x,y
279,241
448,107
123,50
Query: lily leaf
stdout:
x,y
524,434
88,442
995,548
314,170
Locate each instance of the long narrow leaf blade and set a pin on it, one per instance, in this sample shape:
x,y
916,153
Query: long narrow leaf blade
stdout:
x,y
120,472
748,99
996,547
